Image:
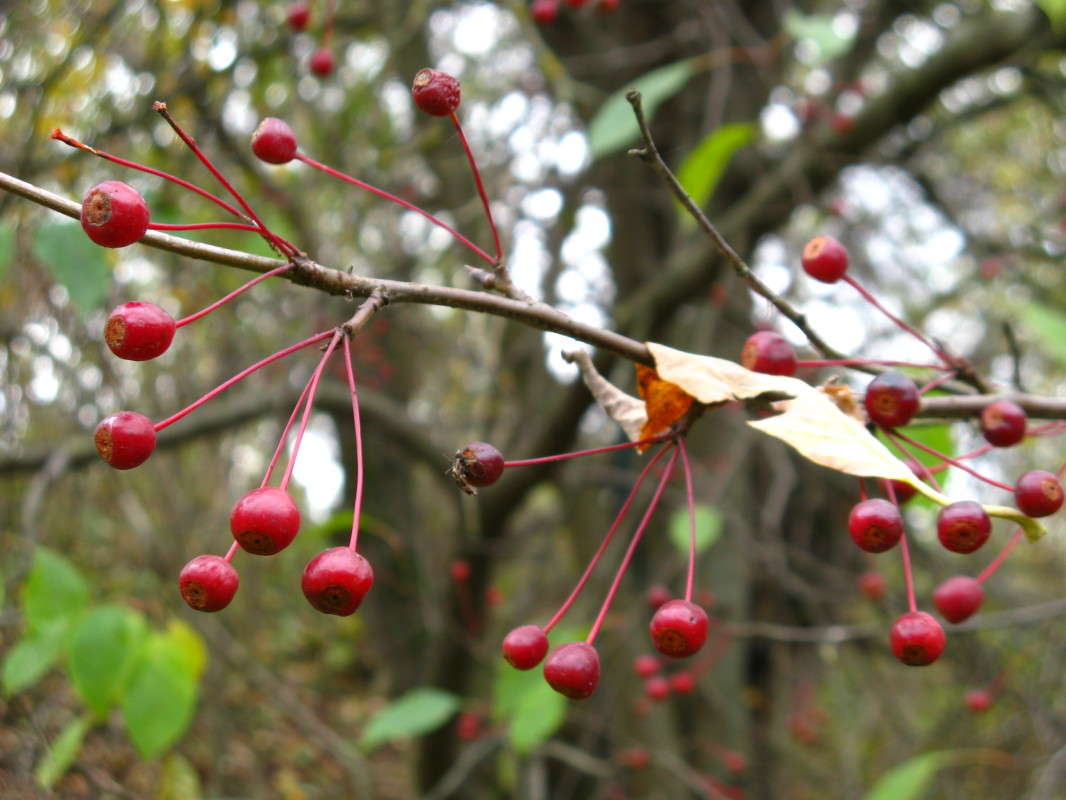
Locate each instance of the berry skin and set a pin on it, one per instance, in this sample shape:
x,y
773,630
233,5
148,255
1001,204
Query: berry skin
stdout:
x,y
1038,493
139,331
679,628
891,399
435,92
478,464
958,598
978,700
322,62
544,11
875,525
525,647
872,585
1003,423
645,666
125,440
825,259
273,141
770,353
917,639
336,581
265,521
298,16
657,688
682,683
113,214
573,670
208,583
963,527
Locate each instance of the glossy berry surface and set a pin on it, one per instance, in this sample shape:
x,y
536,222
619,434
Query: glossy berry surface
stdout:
x,y
825,259
525,647
963,527
770,353
264,521
872,585
891,399
139,331
875,525
322,62
978,700
657,688
273,141
682,683
573,670
113,214
336,581
679,628
957,599
645,666
435,92
1003,423
544,11
481,464
298,16
917,639
208,583
125,440
1038,493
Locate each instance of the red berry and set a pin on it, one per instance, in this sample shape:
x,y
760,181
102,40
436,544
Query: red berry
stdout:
x,y
872,585
125,440
657,595
825,259
468,726
576,3
902,491
322,62
917,639
682,683
607,6
208,583
460,571
336,580
733,761
841,123
978,700
139,331
1038,493
958,598
679,628
770,353
1003,423
573,670
634,757
963,527
544,11
891,399
273,141
646,666
435,92
875,525
525,647
113,214
264,521
479,464
298,16
657,688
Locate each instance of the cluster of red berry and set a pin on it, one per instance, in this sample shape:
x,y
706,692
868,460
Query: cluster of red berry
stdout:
x,y
547,11
322,62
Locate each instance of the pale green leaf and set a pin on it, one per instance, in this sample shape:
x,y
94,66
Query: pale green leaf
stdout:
x,y
160,698
1049,326
63,751
538,713
413,714
54,590
32,656
908,781
103,648
701,170
1056,12
75,262
179,780
708,528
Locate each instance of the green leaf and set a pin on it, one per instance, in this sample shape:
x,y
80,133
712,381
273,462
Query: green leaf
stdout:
x,y
32,657
938,437
537,711
1049,326
160,698
188,646
1056,12
708,528
908,780
820,31
7,247
614,126
54,590
103,649
419,711
701,170
179,780
62,752
75,262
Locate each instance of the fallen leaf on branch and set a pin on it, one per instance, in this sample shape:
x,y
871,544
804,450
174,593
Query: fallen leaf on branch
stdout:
x,y
664,402
626,410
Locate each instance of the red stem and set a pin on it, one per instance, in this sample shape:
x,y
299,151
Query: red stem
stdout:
x,y
358,505
904,549
947,459
994,564
239,377
480,187
528,462
218,303
231,552
859,362
947,376
311,389
869,298
284,436
690,498
201,226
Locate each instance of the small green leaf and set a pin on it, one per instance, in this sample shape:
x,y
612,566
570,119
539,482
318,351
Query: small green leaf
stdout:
x,y
1056,12
7,247
937,437
708,528
1049,325
54,590
32,657
419,711
75,262
188,646
538,712
614,125
908,780
820,31
62,752
179,780
701,170
103,648
160,697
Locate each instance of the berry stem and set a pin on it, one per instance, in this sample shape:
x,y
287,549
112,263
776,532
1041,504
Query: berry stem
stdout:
x,y
908,575
690,498
869,298
327,31
284,436
862,489
480,186
994,564
394,199
201,226
358,504
528,462
893,433
318,337
937,381
864,362
606,541
221,302
668,472
312,387
231,552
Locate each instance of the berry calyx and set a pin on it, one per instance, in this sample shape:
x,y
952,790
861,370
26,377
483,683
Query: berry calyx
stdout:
x,y
125,440
113,214
322,62
825,259
872,585
298,16
963,527
917,639
273,141
875,525
645,666
958,598
682,683
1038,493
336,581
891,399
265,521
1003,423
679,628
208,583
544,11
525,646
138,331
657,688
435,92
478,464
573,670
978,700
770,353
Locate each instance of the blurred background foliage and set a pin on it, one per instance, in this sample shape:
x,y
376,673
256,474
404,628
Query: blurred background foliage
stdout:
x,y
927,136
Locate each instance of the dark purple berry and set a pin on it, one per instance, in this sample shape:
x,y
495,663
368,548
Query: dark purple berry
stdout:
x,y
435,92
139,331
1003,423
770,353
525,647
958,598
478,464
825,259
1038,493
125,440
573,670
265,521
875,525
208,583
679,628
963,527
336,581
113,214
917,639
891,399
273,141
